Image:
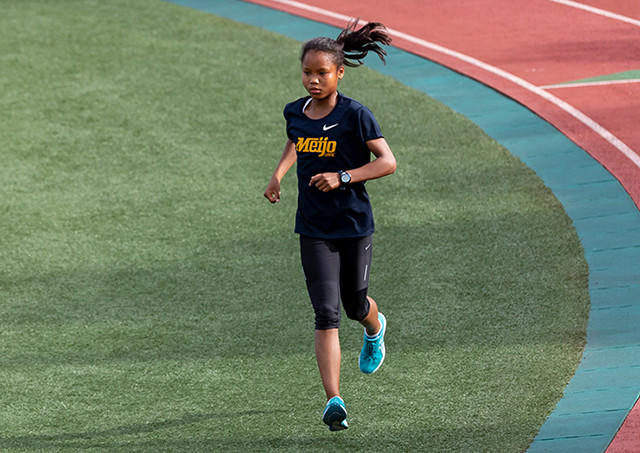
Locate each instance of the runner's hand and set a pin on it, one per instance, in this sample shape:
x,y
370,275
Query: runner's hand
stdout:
x,y
325,181
272,192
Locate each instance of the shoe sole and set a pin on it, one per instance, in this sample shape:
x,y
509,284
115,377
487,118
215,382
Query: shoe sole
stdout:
x,y
336,418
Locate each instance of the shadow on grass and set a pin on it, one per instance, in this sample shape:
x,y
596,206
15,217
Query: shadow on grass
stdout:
x,y
71,439
489,281
113,440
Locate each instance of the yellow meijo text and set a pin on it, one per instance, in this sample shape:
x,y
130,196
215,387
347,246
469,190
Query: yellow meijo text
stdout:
x,y
322,146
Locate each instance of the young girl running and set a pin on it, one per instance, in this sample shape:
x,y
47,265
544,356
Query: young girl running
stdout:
x,y
332,138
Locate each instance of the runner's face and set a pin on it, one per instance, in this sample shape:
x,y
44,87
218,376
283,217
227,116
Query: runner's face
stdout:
x,y
320,75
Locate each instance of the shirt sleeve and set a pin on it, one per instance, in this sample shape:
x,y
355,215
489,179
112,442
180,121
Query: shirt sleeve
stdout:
x,y
368,127
287,116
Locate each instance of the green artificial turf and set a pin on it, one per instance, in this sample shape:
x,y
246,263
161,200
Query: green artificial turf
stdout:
x,y
152,300
626,75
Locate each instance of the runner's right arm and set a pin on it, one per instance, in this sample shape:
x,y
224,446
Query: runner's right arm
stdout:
x,y
272,192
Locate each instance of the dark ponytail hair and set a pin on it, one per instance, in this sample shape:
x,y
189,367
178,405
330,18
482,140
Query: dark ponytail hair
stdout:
x,y
352,45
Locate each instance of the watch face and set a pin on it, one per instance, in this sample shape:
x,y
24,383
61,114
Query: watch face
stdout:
x,y
345,177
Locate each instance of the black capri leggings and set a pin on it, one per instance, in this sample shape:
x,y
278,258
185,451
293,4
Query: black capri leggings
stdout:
x,y
337,269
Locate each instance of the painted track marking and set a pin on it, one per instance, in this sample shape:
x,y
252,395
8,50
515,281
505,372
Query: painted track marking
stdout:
x,y
599,11
589,84
568,108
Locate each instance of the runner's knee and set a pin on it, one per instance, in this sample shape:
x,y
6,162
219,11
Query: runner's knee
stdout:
x,y
326,304
356,304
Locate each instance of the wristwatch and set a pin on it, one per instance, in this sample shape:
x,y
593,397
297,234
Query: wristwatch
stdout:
x,y
345,177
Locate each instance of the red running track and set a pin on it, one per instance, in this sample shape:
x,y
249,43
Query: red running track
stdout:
x,y
629,8
528,50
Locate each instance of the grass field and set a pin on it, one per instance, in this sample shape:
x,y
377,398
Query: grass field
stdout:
x,y
152,300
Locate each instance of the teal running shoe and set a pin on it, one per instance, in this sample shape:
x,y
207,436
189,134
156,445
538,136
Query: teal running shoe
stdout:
x,y
372,354
335,414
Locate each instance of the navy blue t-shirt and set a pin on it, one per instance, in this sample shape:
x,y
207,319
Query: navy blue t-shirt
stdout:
x,y
335,142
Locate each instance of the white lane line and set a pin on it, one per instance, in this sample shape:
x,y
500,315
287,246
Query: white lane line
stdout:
x,y
571,110
599,11
314,9
590,84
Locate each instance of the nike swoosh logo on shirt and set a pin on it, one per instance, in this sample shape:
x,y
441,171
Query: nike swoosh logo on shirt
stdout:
x,y
326,128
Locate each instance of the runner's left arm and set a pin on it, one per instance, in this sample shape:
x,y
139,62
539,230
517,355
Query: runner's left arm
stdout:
x,y
384,164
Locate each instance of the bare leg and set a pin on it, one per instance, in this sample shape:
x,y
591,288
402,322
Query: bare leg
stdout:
x,y
371,322
328,355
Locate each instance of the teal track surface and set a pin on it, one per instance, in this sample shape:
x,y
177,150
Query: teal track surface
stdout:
x,y
607,382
